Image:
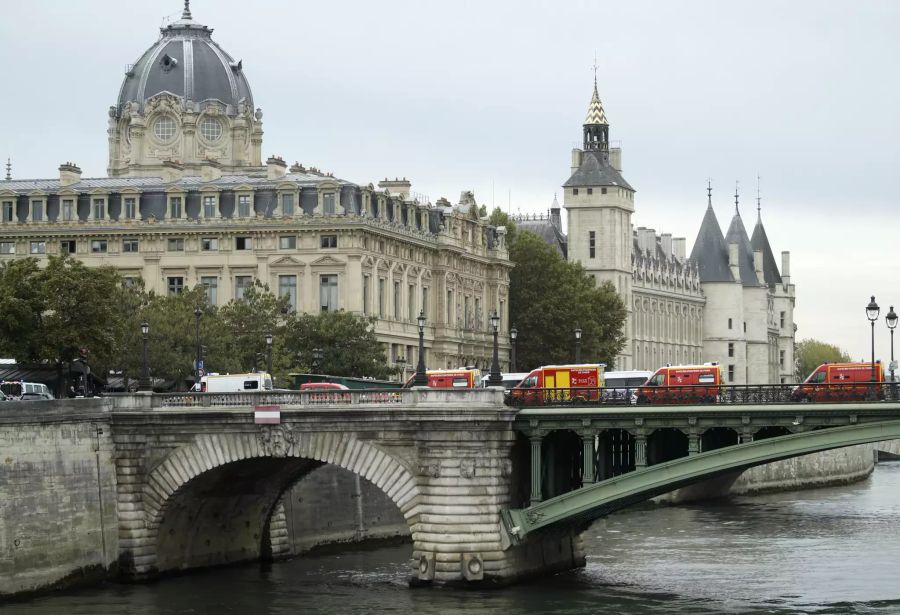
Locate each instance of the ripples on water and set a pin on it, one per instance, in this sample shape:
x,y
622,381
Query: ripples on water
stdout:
x,y
823,551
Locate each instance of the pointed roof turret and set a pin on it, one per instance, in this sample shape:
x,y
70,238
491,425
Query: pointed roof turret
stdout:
x,y
759,241
738,234
595,115
710,253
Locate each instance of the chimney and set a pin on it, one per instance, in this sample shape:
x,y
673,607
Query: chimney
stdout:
x,y
786,268
555,218
615,158
275,167
758,266
665,241
69,174
396,186
679,248
576,159
733,261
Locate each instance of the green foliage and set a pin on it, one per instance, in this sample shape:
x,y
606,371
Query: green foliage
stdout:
x,y
550,298
245,324
501,218
348,341
22,308
482,211
811,353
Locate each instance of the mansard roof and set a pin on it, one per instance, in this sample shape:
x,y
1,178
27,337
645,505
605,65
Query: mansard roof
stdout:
x,y
710,253
759,241
738,234
595,170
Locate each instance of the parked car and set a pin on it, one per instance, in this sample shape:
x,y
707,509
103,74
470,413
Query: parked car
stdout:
x,y
19,390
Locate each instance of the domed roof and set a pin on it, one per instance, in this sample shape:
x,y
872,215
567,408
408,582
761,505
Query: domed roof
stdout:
x,y
186,62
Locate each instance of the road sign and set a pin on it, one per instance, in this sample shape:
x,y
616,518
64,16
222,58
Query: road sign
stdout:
x,y
201,372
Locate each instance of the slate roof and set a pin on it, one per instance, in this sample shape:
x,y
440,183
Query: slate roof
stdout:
x,y
738,234
710,252
759,241
595,170
546,230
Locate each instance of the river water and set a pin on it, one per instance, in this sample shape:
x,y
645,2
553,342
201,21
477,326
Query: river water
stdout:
x,y
833,550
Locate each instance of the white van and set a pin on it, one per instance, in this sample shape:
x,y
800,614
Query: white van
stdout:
x,y
236,383
510,379
25,391
620,386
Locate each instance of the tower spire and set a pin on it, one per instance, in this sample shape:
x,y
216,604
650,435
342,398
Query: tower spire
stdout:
x,y
736,208
758,200
8,170
709,192
186,14
596,126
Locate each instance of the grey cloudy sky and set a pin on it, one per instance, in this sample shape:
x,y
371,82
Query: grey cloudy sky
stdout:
x,y
490,96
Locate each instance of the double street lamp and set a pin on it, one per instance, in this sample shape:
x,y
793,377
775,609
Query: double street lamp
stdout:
x,y
513,334
578,345
496,378
421,378
145,384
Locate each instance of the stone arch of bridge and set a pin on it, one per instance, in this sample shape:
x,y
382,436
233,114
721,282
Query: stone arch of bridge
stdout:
x,y
266,464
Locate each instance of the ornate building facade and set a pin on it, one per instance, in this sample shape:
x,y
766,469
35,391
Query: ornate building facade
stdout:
x,y
188,201
727,302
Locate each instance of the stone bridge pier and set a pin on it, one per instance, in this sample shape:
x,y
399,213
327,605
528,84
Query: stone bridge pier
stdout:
x,y
201,486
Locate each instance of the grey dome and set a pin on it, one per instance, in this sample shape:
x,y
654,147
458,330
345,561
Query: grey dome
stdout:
x,y
186,62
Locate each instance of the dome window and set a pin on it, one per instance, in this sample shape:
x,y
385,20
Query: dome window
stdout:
x,y
211,129
164,128
168,63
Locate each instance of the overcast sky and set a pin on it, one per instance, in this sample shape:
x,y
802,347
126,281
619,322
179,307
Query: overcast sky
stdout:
x,y
490,96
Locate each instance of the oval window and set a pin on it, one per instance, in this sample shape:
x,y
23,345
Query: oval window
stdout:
x,y
164,128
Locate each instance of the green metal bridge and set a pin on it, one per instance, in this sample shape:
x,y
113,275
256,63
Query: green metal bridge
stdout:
x,y
762,434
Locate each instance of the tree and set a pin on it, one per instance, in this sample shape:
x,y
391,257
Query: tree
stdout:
x,y
348,341
22,307
550,298
812,353
501,218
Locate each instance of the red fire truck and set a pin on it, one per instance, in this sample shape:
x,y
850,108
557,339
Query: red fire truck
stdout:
x,y
551,383
842,382
682,384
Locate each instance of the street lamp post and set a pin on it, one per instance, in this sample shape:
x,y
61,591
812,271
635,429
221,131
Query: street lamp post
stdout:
x,y
578,345
401,361
872,311
269,354
496,378
198,361
145,384
513,333
421,379
317,354
891,320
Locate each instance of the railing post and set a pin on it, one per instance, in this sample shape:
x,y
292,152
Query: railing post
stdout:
x,y
587,458
536,467
640,452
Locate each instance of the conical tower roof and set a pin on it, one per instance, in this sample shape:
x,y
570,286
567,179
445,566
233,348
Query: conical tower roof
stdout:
x,y
710,253
596,114
738,234
759,241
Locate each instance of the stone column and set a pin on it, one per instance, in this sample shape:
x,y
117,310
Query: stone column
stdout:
x,y
640,452
693,444
587,458
536,467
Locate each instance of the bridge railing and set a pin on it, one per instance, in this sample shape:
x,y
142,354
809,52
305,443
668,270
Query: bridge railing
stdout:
x,y
705,394
280,398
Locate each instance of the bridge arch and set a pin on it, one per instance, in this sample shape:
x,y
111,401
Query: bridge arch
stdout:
x,y
270,461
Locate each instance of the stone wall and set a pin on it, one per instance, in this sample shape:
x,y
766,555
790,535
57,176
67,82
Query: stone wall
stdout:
x,y
57,495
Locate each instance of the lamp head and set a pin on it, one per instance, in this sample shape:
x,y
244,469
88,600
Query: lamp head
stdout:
x,y
145,328
513,333
268,339
578,333
872,310
495,320
198,312
891,318
421,320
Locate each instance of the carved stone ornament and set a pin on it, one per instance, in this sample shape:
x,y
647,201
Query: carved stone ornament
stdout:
x,y
433,470
467,468
277,440
534,516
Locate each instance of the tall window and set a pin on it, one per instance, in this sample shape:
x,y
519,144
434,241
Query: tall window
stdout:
x,y
175,245
129,245
731,373
99,209
592,243
175,285
365,294
328,241
381,283
98,246
328,297
328,202
241,284
68,210
209,244
411,303
37,211
243,243
424,303
244,206
175,207
781,358
8,211
211,284
782,320
209,207
287,287
287,204
449,307
730,349
67,246
7,247
130,208
729,323
38,247
287,242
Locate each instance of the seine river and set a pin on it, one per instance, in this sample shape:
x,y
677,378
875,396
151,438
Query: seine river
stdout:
x,y
820,551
